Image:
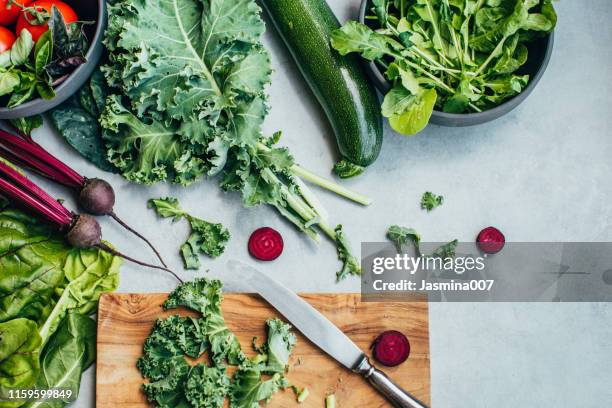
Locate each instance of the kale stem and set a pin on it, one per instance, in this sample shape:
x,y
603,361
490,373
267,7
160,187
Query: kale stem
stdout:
x,y
330,185
323,182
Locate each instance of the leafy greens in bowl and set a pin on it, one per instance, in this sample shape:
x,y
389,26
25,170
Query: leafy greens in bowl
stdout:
x,y
464,61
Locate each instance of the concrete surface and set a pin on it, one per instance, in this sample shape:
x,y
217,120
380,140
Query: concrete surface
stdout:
x,y
541,173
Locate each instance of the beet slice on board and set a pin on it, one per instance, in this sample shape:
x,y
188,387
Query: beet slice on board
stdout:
x,y
391,348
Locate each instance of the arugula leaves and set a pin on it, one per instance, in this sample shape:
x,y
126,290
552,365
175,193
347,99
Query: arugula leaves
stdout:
x,y
174,382
205,237
457,56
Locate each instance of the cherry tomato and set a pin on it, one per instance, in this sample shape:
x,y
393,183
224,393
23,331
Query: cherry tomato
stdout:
x,y
7,38
9,12
37,30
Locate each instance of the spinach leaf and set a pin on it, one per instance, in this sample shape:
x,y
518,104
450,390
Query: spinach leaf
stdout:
x,y
19,350
69,352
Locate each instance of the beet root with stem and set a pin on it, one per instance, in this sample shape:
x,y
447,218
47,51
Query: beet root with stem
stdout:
x,y
86,232
95,196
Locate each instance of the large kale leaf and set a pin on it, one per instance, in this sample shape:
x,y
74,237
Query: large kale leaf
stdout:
x,y
200,75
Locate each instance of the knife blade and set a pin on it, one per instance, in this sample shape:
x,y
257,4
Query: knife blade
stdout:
x,y
318,329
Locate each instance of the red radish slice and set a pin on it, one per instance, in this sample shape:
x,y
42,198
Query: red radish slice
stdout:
x,y
490,240
391,348
266,244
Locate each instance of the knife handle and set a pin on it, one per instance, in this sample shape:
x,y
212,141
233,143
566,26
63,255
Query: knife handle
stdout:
x,y
393,392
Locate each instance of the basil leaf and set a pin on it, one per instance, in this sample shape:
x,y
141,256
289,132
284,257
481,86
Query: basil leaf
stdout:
x,y
22,47
8,82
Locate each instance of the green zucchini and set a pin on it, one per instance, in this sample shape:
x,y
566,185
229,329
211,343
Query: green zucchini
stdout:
x,y
339,83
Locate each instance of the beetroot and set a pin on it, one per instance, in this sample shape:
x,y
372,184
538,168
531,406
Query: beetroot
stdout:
x,y
490,240
95,196
266,244
391,348
81,230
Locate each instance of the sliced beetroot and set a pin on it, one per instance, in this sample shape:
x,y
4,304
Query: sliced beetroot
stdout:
x,y
391,348
266,244
490,240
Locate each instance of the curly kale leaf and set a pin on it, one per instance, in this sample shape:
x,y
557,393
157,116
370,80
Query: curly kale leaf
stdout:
x,y
400,236
350,264
203,77
429,201
168,207
205,296
249,388
445,251
202,295
207,387
205,237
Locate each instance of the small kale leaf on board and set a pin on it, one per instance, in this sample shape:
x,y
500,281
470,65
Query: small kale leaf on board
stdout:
x,y
174,382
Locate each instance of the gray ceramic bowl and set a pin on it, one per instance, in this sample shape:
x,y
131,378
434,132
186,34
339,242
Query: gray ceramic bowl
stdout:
x,y
87,10
539,55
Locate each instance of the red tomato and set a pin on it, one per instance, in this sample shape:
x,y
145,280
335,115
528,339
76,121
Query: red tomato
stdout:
x,y
37,30
10,12
7,38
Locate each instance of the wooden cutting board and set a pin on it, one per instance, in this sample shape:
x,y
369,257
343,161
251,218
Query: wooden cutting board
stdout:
x,y
125,320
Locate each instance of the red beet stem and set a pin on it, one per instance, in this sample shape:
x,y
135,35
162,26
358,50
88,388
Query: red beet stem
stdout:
x,y
32,155
29,194
34,205
114,252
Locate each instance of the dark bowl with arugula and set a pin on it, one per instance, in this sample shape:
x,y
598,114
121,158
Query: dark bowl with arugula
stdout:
x,y
55,47
451,63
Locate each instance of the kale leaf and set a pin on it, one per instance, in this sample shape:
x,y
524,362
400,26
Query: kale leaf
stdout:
x,y
401,236
429,201
205,237
175,382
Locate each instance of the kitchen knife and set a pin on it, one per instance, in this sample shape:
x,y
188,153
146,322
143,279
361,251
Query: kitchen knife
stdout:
x,y
318,329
